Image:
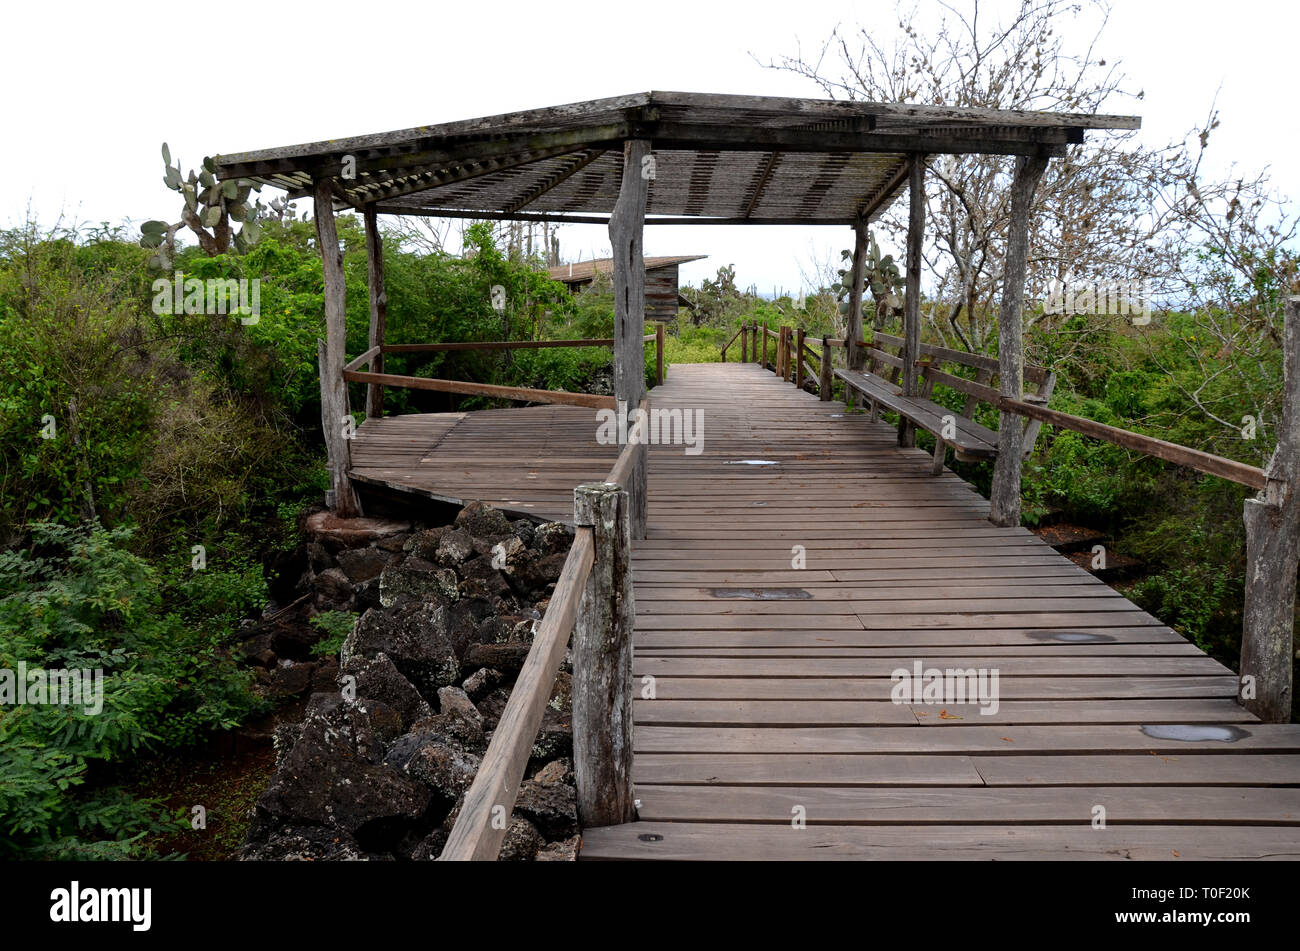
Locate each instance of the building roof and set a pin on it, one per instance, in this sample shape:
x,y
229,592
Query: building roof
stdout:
x,y
582,271
717,158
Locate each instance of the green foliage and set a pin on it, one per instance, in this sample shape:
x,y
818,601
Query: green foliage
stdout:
x,y
79,600
337,625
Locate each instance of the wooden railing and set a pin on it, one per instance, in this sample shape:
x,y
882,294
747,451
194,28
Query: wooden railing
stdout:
x,y
1272,517
593,601
377,381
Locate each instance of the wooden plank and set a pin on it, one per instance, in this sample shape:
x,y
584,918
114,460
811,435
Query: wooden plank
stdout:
x,y
686,841
857,689
475,836
1001,806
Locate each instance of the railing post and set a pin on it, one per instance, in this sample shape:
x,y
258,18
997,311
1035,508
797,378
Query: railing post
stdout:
x,y
798,359
744,343
602,662
824,380
659,353
1273,553
764,333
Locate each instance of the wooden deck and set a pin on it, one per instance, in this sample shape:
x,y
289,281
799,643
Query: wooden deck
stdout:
x,y
772,684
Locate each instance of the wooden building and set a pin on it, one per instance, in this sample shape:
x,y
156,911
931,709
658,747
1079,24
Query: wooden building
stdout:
x,y
662,296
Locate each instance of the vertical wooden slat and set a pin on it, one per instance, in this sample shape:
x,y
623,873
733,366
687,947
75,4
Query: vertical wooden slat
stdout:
x,y
1273,553
1004,499
798,359
378,308
825,378
659,353
331,355
602,662
912,302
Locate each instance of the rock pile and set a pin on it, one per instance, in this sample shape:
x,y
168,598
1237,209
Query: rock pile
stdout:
x,y
380,763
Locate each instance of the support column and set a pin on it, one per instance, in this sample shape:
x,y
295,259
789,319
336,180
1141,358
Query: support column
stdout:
x,y
378,309
626,232
857,357
1004,499
1273,553
335,418
911,350
602,662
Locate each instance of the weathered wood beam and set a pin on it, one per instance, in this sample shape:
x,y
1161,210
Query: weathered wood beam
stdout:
x,y
525,394
740,138
429,153
602,661
1004,499
912,301
880,198
765,173
336,419
378,308
626,238
555,180
491,214
856,357
1273,553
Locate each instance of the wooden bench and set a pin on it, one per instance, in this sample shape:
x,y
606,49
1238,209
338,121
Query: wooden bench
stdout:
x,y
968,438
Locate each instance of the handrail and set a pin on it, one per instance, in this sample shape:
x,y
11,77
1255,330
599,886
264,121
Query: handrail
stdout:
x,y
622,469
367,358
740,331
498,345
1229,469
481,826
563,397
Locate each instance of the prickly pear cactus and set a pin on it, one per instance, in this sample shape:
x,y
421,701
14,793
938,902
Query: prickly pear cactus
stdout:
x,y
883,279
209,208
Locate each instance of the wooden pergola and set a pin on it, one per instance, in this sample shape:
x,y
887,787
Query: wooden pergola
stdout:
x,y
667,158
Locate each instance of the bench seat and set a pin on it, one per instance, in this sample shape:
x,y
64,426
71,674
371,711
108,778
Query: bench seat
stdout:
x,y
970,438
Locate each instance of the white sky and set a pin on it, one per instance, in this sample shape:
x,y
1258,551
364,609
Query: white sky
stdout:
x,y
93,89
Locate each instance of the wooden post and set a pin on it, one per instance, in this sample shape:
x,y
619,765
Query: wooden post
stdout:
x,y
626,229
378,308
1273,553
1004,499
826,376
763,331
602,662
332,355
659,353
856,355
798,359
911,350
744,343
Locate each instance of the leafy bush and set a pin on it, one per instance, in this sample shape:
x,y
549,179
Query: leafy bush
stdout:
x,y
79,600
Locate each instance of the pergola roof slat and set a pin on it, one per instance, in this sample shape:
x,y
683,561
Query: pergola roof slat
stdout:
x,y
717,157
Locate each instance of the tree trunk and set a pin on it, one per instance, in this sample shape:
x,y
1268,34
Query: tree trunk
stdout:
x,y
1004,499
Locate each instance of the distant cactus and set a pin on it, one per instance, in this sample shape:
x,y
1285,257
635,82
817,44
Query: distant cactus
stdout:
x,y
209,208
882,279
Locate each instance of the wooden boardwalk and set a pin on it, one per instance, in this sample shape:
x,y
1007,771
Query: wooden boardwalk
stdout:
x,y
772,733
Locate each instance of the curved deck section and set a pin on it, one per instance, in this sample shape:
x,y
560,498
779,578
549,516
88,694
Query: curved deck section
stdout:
x,y
790,569
524,461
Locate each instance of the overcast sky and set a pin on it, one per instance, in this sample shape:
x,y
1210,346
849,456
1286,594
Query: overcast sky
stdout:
x,y
93,89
